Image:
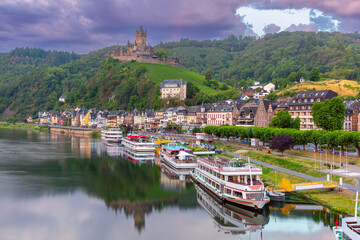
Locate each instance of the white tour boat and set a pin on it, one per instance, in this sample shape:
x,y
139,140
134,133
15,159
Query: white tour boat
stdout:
x,y
178,157
113,135
232,181
350,225
138,148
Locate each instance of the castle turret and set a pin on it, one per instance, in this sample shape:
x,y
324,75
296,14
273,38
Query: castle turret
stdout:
x,y
141,39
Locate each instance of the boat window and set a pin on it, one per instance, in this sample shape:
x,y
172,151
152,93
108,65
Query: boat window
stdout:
x,y
237,194
230,178
228,191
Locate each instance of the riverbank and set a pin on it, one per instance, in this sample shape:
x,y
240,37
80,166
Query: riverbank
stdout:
x,y
25,127
337,200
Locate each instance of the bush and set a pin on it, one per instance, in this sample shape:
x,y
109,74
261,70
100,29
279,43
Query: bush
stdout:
x,y
95,135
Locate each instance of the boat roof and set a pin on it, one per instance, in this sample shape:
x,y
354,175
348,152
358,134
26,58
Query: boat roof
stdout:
x,y
177,148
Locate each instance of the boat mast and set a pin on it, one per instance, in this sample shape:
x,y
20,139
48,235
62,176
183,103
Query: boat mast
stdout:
x,y
356,203
251,182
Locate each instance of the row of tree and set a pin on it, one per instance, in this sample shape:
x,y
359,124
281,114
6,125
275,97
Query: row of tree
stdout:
x,y
329,139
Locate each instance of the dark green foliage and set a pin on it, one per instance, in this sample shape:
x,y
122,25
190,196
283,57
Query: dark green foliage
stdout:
x,y
330,114
162,54
281,143
284,120
301,137
314,75
276,56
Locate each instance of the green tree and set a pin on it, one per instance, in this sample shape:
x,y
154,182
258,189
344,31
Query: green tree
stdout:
x,y
292,77
284,120
330,114
208,75
314,75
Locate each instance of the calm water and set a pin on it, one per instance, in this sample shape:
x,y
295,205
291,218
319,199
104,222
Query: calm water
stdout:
x,y
60,187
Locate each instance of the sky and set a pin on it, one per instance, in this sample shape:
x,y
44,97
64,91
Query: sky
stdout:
x,y
86,25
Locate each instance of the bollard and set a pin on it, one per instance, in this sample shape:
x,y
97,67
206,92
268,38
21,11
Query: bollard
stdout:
x,y
327,177
341,181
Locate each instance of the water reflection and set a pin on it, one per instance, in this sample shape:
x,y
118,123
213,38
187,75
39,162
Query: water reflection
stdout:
x,y
229,218
55,186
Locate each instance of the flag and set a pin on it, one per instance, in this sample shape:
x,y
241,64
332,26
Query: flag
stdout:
x,y
314,150
340,153
325,151
346,153
333,153
319,150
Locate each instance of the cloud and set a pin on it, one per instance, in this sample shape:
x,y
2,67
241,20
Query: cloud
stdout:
x,y
302,27
84,25
271,28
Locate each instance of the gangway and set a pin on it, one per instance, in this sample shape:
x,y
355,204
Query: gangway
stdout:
x,y
286,186
158,143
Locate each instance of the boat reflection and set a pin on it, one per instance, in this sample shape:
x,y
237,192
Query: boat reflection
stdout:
x,y
172,179
112,149
229,218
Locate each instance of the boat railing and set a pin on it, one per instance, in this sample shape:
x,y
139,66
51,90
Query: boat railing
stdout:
x,y
255,183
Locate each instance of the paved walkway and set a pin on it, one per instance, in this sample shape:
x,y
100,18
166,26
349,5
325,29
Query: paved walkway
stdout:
x,y
353,188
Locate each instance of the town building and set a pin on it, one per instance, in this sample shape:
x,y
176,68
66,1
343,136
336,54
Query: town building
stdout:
x,y
222,115
301,106
173,88
269,87
260,93
264,113
302,80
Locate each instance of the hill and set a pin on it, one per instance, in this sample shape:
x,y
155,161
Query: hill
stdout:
x,y
94,81
20,61
159,72
345,88
239,60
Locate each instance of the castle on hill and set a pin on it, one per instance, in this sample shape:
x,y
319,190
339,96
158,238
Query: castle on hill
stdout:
x,y
140,51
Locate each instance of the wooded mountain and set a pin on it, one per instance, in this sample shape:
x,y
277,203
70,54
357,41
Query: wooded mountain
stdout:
x,y
33,79
273,57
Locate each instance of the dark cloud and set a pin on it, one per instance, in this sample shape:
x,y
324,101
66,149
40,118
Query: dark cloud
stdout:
x,y
84,25
271,28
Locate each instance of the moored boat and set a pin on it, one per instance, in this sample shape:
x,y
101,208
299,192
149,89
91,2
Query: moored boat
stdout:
x,y
232,181
113,135
351,225
138,148
178,157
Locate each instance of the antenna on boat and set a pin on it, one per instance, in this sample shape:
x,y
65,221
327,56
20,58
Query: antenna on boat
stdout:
x,y
251,182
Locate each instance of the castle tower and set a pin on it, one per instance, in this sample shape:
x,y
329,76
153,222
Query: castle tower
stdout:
x,y
141,39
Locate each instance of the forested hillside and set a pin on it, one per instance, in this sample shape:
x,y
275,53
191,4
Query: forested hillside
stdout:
x,y
20,61
34,79
94,81
238,60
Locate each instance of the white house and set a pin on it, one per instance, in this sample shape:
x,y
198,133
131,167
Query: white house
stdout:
x,y
269,87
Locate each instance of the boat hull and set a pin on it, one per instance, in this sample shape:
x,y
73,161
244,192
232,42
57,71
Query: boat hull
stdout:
x,y
254,204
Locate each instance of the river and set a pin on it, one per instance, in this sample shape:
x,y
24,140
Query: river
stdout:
x,y
54,186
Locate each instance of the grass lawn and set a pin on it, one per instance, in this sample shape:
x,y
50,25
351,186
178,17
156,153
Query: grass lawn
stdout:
x,y
308,154
268,177
292,163
338,201
228,147
343,87
159,72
